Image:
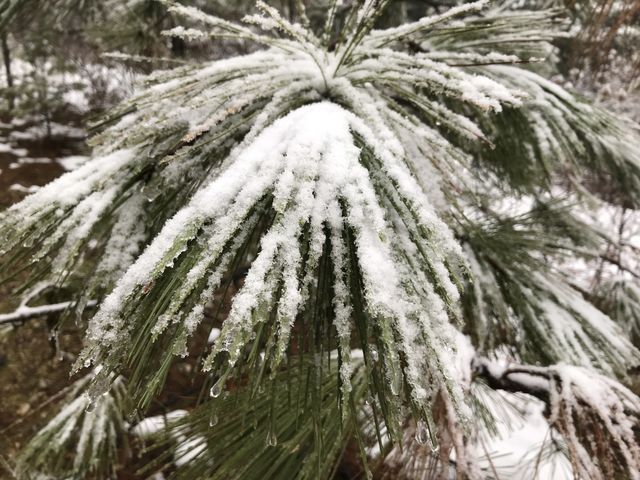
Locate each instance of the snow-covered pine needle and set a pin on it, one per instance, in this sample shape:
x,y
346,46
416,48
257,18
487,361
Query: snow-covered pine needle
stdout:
x,y
84,439
341,173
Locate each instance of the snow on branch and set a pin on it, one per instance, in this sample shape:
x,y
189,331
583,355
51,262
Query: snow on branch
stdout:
x,y
84,439
24,313
382,37
333,171
597,416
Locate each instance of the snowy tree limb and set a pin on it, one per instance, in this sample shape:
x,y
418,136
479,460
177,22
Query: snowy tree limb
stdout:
x,y
23,313
597,417
514,379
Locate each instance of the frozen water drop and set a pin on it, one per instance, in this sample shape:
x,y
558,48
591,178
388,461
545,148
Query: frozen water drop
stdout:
x,y
272,440
422,433
216,390
374,355
213,419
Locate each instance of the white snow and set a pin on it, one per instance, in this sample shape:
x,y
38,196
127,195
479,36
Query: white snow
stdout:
x,y
17,187
72,162
151,425
515,449
309,161
213,335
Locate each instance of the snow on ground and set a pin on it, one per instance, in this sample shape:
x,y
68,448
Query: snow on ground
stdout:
x,y
12,150
29,161
521,451
80,86
25,139
22,189
54,129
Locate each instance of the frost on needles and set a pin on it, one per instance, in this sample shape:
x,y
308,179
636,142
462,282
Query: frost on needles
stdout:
x,y
352,180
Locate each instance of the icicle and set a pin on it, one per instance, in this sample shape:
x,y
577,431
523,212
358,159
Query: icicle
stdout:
x,y
218,387
422,433
213,417
272,439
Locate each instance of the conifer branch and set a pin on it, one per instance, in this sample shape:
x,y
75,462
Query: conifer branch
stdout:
x,y
342,176
597,417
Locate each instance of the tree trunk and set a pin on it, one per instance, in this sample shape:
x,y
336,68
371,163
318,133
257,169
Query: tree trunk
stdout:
x,y
6,55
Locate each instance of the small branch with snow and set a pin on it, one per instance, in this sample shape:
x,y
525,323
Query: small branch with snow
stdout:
x,y
24,313
515,378
597,416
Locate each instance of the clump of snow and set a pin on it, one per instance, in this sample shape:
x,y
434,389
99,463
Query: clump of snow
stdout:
x,y
213,335
17,187
187,448
514,450
309,163
72,162
150,426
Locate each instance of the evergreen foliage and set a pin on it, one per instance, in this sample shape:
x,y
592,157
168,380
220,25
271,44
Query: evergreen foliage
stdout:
x,y
352,173
95,432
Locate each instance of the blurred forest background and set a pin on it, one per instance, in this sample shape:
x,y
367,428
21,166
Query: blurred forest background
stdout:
x,y
66,62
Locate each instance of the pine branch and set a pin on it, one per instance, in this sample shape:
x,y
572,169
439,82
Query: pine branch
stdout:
x,y
345,191
85,439
597,417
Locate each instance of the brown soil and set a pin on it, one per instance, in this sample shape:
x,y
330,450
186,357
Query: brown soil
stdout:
x,y
33,375
33,372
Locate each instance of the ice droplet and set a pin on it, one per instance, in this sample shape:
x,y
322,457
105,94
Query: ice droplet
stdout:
x,y
272,440
213,419
374,355
422,433
216,390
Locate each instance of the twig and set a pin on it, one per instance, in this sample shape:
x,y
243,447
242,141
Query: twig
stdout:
x,y
509,378
618,264
24,313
